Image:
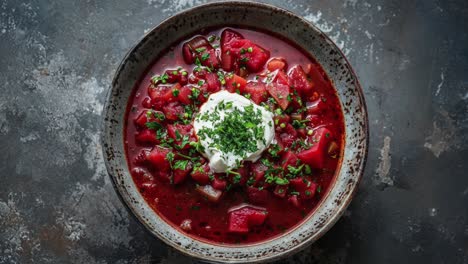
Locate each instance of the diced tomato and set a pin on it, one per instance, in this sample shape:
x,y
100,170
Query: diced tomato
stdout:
x,y
178,132
242,217
300,81
158,158
173,110
235,83
258,92
213,82
201,174
289,159
179,175
257,196
146,136
315,156
280,93
277,64
209,192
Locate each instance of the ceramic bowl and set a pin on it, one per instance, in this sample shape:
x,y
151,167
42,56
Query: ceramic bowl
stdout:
x,y
264,17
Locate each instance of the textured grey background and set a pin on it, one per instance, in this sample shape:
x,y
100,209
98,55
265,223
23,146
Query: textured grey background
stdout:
x,y
57,204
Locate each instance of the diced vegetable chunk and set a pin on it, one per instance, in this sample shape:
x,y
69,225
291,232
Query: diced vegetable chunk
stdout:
x,y
257,91
281,94
315,156
209,192
244,216
300,81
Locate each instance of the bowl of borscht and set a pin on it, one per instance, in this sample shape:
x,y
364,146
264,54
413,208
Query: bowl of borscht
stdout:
x,y
235,132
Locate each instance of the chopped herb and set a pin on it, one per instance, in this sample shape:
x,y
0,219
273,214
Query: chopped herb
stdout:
x,y
195,207
180,164
175,92
170,157
327,135
160,78
294,193
307,169
200,83
184,73
281,181
250,49
197,62
153,125
319,189
307,192
199,50
245,59
205,56
295,170
211,38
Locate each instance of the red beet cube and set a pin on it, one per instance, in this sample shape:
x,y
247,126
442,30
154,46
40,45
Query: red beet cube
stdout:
x,y
315,156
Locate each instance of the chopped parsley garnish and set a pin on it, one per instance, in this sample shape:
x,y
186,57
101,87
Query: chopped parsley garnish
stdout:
x,y
160,78
199,50
180,164
153,125
237,133
205,56
175,92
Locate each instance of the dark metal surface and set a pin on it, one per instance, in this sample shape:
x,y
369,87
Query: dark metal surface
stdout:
x,y
57,204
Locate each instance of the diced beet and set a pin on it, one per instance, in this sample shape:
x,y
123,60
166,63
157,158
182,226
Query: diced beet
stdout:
x,y
189,49
209,192
238,223
213,82
201,174
258,172
305,187
235,83
219,184
157,95
210,59
179,175
257,196
173,110
281,119
141,158
157,157
280,93
141,174
289,159
227,36
227,61
184,95
280,191
257,90
172,94
277,64
288,135
280,77
178,132
294,201
299,80
146,103
315,156
316,107
147,136
172,76
244,216
142,118
250,54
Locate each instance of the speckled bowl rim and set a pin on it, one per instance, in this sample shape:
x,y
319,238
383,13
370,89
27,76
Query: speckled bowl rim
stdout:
x,y
330,221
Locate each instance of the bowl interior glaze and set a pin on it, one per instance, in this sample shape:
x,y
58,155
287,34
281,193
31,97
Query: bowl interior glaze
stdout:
x,y
252,15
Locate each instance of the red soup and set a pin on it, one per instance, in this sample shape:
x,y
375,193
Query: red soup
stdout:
x,y
234,136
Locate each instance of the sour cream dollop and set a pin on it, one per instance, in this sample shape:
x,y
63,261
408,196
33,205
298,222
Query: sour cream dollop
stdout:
x,y
231,128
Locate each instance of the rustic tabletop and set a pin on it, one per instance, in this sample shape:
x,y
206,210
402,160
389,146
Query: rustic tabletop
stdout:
x,y
57,204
